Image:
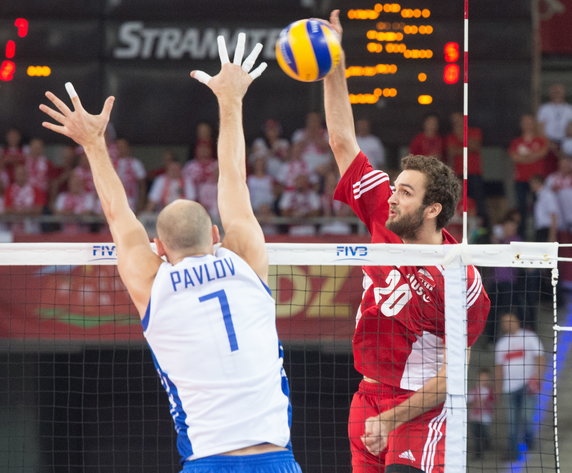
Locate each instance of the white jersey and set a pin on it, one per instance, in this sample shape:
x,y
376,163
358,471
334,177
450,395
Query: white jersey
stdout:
x,y
211,325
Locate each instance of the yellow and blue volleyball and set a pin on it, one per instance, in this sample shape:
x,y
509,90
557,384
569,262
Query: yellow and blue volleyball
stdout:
x,y
308,50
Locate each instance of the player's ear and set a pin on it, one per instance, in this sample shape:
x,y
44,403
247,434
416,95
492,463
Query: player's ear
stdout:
x,y
160,247
215,234
433,210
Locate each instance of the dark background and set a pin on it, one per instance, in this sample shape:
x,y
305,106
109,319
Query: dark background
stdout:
x,y
158,103
104,410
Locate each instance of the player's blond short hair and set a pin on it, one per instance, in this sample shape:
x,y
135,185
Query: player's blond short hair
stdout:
x,y
184,225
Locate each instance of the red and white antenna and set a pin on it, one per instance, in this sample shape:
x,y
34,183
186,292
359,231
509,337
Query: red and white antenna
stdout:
x,y
465,116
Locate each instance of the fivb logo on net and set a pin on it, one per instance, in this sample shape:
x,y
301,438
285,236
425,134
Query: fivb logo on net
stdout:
x,y
351,252
103,252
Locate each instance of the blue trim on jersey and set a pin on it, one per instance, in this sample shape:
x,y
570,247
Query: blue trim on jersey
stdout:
x,y
268,290
177,412
320,45
145,319
286,391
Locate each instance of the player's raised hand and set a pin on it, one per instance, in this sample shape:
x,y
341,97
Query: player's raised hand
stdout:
x,y
234,78
77,124
335,23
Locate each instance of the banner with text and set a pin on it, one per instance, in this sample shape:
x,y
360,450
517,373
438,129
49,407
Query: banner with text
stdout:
x,y
90,304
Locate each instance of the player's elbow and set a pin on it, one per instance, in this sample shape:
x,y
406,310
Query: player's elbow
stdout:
x,y
345,148
339,141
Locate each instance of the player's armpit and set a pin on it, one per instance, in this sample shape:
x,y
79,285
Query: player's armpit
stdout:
x,y
137,263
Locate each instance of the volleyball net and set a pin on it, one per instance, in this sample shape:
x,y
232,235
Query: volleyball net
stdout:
x,y
78,390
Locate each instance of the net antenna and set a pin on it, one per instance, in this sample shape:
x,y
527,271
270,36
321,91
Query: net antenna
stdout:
x,y
465,116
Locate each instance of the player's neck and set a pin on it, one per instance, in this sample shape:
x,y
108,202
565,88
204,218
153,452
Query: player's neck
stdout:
x,y
178,257
426,236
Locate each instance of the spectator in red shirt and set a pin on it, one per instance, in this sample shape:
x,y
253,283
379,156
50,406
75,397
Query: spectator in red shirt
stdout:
x,y
202,167
61,172
84,171
170,186
204,138
428,142
132,174
528,153
75,201
22,198
40,168
481,404
167,157
13,152
454,149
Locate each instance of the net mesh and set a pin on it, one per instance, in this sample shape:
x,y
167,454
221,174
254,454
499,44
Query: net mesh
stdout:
x,y
78,390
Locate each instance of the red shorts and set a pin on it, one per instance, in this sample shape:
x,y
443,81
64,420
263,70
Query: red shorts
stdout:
x,y
419,443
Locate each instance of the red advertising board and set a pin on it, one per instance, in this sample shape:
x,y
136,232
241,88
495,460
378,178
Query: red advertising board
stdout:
x,y
555,29
90,304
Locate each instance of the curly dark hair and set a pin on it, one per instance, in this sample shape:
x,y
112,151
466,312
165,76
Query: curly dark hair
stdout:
x,y
443,186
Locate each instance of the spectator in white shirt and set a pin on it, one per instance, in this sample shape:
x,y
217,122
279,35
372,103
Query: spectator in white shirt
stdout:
x,y
261,186
555,115
546,211
301,202
334,208
272,147
170,186
311,145
519,369
370,144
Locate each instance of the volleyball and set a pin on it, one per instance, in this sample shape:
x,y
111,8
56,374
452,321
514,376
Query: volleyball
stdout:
x,y
308,50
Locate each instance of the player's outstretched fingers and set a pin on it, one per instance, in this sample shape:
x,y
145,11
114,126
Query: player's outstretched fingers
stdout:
x,y
222,52
107,107
259,70
239,51
57,116
60,105
70,89
62,130
201,76
251,58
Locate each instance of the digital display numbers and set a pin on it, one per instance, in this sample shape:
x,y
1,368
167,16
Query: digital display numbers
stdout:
x,y
400,47
9,65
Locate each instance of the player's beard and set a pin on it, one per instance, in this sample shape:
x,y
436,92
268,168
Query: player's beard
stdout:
x,y
407,226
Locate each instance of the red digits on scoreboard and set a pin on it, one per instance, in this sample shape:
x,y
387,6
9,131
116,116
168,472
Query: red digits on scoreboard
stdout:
x,y
22,25
8,67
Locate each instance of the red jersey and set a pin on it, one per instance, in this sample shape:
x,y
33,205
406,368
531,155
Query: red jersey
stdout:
x,y
473,158
523,172
400,326
23,197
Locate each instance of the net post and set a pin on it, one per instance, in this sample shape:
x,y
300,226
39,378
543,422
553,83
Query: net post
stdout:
x,y
456,349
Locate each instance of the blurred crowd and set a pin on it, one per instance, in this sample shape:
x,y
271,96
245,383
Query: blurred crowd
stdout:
x,y
295,177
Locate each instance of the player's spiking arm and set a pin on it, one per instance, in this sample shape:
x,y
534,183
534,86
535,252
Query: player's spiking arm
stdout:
x,y
243,234
136,262
339,117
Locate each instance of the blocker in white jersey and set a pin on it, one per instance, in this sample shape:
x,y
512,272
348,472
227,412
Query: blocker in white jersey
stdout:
x,y
211,327
207,314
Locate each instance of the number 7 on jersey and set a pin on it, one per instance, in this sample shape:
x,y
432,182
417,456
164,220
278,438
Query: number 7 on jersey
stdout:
x,y
226,315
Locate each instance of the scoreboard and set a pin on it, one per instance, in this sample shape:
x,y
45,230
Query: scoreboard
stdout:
x,y
404,60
